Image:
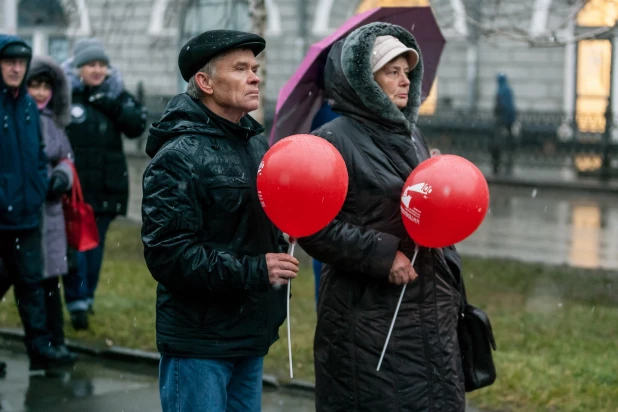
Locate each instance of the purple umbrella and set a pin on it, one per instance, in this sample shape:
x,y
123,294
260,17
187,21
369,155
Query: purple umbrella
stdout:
x,y
301,97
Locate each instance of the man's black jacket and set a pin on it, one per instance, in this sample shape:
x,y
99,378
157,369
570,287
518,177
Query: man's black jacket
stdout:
x,y
205,235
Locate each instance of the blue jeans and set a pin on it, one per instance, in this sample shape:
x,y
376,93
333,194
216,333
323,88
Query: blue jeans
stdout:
x,y
317,271
210,385
80,285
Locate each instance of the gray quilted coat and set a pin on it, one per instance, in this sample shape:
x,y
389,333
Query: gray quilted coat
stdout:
x,y
54,118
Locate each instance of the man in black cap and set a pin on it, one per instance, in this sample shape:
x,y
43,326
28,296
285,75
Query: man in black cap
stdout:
x,y
218,259
23,185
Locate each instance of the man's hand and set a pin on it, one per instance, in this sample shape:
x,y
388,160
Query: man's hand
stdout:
x,y
281,268
112,107
402,271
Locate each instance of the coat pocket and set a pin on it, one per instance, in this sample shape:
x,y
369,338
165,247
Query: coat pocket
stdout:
x,y
229,199
5,178
8,193
116,176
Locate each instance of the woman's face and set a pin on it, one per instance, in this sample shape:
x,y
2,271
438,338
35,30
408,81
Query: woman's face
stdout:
x,y
393,79
93,73
40,91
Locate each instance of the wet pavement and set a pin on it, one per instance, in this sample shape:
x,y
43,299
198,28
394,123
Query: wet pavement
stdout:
x,y
541,225
102,385
95,385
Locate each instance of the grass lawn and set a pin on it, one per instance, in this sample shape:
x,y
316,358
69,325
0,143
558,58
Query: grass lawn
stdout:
x,y
556,327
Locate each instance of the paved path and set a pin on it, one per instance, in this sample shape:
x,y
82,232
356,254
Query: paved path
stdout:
x,y
101,386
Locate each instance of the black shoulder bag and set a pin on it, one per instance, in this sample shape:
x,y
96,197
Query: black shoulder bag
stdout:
x,y
476,342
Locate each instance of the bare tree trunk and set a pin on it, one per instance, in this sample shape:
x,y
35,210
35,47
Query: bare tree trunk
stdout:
x,y
474,11
257,12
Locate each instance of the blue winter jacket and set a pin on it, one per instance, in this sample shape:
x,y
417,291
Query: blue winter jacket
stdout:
x,y
505,102
23,164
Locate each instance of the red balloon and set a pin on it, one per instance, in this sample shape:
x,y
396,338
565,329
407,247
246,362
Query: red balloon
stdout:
x,y
302,183
444,201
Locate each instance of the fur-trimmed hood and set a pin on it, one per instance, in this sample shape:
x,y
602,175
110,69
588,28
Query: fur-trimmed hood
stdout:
x,y
60,103
350,83
113,85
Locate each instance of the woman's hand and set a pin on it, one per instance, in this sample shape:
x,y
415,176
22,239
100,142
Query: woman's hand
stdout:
x,y
402,271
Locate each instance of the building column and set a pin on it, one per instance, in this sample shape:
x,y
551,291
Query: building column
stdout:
x,y
10,16
39,43
566,131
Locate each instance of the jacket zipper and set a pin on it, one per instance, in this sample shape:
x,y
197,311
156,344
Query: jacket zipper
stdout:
x,y
249,165
21,156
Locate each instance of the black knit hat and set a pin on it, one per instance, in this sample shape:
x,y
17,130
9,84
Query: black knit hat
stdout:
x,y
202,48
17,49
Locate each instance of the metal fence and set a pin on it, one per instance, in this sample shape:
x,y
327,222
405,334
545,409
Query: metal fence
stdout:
x,y
586,145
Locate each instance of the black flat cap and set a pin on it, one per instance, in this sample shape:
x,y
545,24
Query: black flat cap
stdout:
x,y
200,49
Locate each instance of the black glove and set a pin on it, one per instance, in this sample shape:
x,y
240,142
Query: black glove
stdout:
x,y
58,185
108,105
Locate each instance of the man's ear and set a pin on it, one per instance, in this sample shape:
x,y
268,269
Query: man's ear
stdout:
x,y
204,82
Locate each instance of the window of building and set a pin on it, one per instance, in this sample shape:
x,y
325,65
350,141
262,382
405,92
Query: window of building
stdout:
x,y
41,13
594,61
58,48
598,13
44,23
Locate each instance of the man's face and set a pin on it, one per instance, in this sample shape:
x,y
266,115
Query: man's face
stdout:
x,y
235,84
93,73
13,70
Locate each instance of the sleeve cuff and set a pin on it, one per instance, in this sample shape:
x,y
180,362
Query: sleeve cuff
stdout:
x,y
385,251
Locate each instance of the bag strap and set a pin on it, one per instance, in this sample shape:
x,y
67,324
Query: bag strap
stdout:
x,y
76,189
464,297
461,286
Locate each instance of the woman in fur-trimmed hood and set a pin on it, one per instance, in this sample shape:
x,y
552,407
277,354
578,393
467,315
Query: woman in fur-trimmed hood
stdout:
x,y
50,89
374,78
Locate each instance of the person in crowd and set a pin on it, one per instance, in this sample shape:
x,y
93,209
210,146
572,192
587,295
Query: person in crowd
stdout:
x,y
101,111
218,260
374,78
23,189
49,87
505,114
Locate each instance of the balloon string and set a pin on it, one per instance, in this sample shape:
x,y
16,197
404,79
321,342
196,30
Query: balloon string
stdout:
x,y
403,291
291,253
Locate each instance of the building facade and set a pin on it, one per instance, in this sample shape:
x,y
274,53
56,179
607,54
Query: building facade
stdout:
x,y
541,45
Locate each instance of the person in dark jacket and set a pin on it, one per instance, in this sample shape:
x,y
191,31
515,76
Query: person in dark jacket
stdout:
x,y
49,87
216,256
101,112
23,187
324,115
374,77
505,113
